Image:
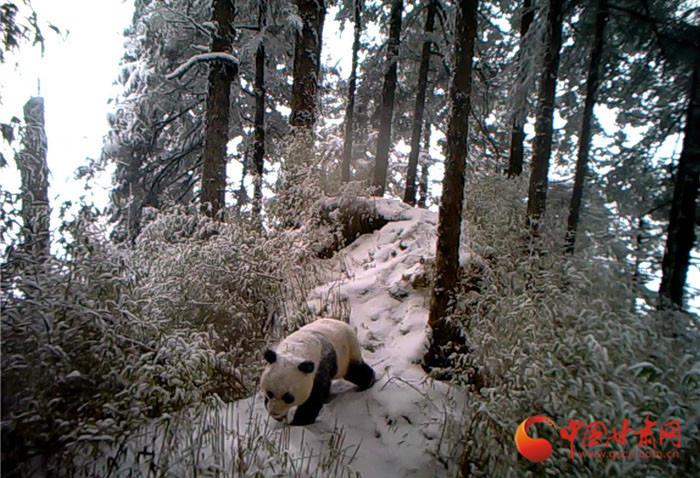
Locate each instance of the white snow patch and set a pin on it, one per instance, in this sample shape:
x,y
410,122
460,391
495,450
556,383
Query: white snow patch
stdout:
x,y
398,421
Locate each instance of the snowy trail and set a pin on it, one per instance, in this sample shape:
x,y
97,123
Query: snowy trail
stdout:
x,y
398,422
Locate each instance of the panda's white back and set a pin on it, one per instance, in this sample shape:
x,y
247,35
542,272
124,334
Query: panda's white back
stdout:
x,y
338,333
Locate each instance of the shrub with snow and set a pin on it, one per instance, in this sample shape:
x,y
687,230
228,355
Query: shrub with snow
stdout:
x,y
564,337
107,336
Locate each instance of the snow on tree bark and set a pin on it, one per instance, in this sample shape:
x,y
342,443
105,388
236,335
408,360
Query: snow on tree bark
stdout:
x,y
307,61
350,109
515,163
450,213
681,227
387,107
221,75
592,83
542,144
410,192
34,172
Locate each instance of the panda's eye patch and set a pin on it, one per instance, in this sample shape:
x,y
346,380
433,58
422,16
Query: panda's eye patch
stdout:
x,y
288,398
270,394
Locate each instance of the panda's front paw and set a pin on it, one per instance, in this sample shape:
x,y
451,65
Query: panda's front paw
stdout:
x,y
306,414
302,420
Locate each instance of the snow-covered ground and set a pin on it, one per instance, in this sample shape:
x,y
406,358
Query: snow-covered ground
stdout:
x,y
401,427
398,423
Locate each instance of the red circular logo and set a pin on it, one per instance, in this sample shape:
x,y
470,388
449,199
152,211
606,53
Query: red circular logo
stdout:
x,y
534,449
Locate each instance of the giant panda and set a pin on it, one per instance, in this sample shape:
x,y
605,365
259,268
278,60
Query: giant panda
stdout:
x,y
300,370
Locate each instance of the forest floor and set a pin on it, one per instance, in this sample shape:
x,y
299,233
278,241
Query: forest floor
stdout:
x,y
401,426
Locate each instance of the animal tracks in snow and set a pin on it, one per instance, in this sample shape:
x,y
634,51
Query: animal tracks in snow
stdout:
x,y
381,277
381,283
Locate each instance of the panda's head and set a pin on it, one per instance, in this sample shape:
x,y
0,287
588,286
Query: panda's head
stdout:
x,y
286,382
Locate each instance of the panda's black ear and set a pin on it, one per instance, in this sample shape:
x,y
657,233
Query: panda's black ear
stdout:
x,y
270,356
307,366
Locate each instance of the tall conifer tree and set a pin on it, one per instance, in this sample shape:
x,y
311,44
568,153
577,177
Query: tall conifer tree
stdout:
x,y
542,144
221,75
592,82
516,158
410,191
352,83
450,213
682,222
307,63
259,128
381,161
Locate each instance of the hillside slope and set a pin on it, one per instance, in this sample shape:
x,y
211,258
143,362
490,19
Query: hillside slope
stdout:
x,y
403,426
398,423
554,334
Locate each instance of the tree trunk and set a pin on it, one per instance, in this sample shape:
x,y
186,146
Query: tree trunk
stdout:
x,y
585,138
241,194
681,226
34,171
515,164
221,75
350,108
423,185
410,192
381,160
307,62
137,193
450,213
542,144
641,225
259,133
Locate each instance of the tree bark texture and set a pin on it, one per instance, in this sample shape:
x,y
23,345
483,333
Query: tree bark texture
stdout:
x,y
517,138
138,194
350,108
450,212
410,192
307,62
681,226
387,108
584,146
221,75
423,185
259,129
34,173
542,144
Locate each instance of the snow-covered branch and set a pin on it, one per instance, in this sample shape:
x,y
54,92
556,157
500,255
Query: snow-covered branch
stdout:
x,y
214,56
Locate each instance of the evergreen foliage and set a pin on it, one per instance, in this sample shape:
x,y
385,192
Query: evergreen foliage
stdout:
x,y
128,334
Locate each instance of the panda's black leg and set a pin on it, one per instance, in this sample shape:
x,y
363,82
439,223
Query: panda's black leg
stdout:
x,y
308,411
361,375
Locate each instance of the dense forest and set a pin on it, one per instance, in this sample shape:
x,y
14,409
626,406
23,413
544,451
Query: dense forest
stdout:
x,y
499,196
